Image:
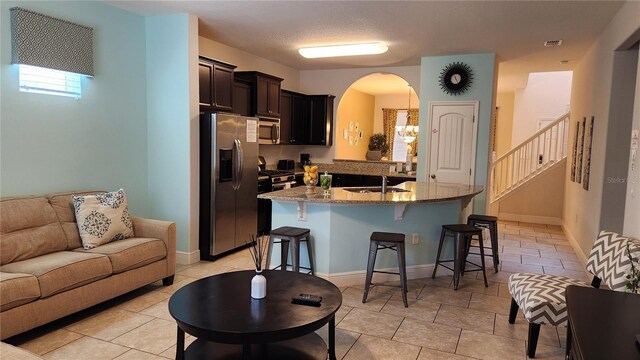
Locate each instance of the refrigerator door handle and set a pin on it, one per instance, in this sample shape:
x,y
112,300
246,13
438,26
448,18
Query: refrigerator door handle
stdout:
x,y
234,166
240,162
274,134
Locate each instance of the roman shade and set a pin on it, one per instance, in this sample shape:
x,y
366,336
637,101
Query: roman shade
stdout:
x,y
45,41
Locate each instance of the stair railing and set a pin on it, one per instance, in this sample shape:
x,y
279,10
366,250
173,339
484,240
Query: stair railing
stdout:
x,y
541,151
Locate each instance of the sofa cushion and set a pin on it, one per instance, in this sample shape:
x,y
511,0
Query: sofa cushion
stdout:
x,y
63,270
17,289
62,204
102,218
29,227
130,253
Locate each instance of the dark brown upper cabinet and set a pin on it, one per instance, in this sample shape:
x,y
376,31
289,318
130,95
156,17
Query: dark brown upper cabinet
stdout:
x,y
265,93
320,125
241,98
216,84
294,114
286,106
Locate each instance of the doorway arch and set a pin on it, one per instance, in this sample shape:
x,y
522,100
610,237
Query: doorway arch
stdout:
x,y
359,111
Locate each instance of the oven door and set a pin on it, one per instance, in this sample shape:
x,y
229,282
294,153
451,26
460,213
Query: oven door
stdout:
x,y
283,185
269,131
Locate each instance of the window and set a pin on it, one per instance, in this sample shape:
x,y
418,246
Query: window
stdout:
x,y
48,81
399,146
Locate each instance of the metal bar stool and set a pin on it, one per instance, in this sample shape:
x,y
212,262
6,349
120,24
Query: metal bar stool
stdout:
x,y
491,223
293,236
391,241
462,234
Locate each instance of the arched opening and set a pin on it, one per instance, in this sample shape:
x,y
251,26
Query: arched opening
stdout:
x,y
377,104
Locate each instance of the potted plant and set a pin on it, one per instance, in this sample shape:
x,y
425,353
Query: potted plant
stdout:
x,y
377,147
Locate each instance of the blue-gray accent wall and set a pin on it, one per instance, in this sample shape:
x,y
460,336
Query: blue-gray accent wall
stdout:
x,y
482,90
53,143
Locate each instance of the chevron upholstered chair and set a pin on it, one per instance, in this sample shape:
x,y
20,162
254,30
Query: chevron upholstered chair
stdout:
x,y
541,297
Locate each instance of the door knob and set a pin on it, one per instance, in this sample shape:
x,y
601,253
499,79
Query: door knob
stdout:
x,y
433,176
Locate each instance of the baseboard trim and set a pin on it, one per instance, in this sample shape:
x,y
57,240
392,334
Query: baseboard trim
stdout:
x,y
534,219
351,278
187,258
574,244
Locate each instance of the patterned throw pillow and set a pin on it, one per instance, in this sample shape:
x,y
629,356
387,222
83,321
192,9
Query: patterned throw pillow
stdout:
x,y
102,218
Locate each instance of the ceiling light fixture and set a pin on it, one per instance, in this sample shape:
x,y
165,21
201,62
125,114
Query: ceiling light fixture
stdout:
x,y
343,50
408,133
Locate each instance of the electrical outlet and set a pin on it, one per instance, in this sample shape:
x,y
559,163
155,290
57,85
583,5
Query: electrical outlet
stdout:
x,y
415,239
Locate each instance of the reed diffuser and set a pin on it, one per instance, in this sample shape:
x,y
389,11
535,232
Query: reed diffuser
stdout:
x,y
258,282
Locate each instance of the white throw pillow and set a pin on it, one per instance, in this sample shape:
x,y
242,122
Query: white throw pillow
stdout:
x,y
102,218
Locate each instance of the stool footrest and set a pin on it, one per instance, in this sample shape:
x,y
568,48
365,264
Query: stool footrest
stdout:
x,y
386,272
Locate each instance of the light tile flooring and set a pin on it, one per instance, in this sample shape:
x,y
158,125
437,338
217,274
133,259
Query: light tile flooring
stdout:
x,y
440,323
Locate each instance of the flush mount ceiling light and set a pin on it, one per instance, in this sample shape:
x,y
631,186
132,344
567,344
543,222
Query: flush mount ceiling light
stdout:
x,y
343,50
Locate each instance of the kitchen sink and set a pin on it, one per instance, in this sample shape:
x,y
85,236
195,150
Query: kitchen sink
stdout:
x,y
366,190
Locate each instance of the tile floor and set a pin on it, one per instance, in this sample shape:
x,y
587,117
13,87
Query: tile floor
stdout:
x,y
440,323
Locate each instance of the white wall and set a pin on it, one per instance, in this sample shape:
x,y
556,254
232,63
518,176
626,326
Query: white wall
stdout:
x,y
547,95
591,95
249,62
391,101
632,205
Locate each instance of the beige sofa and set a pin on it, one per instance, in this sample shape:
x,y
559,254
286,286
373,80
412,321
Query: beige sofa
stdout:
x,y
45,274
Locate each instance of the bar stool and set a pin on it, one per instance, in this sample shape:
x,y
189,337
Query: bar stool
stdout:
x,y
462,234
391,241
491,223
294,236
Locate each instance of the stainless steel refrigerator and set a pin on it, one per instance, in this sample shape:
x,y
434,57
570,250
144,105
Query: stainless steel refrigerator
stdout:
x,y
228,182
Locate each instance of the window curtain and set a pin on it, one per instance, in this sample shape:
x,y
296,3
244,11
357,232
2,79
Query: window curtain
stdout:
x,y
414,113
389,127
48,42
389,120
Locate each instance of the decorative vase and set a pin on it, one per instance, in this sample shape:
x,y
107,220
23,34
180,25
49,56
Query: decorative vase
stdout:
x,y
258,286
374,155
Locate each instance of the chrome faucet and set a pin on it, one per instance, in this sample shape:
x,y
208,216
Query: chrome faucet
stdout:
x,y
384,184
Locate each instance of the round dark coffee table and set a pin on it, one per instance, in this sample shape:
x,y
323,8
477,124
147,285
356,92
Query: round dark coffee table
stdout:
x,y
229,324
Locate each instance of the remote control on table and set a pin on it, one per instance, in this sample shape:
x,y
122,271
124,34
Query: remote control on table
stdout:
x,y
307,299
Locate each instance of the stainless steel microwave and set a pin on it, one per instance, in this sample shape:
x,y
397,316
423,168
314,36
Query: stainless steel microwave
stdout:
x,y
268,131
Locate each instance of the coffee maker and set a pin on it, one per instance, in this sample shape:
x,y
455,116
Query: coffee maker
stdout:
x,y
304,160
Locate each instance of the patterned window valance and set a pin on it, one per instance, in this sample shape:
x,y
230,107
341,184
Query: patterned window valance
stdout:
x,y
45,41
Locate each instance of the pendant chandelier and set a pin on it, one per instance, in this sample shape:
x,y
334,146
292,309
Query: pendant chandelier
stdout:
x,y
407,132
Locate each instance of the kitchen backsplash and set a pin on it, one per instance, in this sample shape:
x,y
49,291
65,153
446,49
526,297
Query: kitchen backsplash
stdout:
x,y
273,153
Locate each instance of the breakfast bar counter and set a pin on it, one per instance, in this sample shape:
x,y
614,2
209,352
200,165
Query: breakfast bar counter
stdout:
x,y
409,192
342,221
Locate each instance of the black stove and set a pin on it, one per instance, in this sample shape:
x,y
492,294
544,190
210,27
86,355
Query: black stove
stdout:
x,y
278,176
274,172
271,180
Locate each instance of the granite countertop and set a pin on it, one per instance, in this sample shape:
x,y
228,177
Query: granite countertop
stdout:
x,y
360,172
332,169
418,192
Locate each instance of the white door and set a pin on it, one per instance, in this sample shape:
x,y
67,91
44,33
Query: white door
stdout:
x,y
453,142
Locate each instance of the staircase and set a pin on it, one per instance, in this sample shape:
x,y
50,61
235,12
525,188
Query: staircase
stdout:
x,y
536,155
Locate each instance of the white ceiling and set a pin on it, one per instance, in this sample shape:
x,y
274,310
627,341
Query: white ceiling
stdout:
x,y
514,30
